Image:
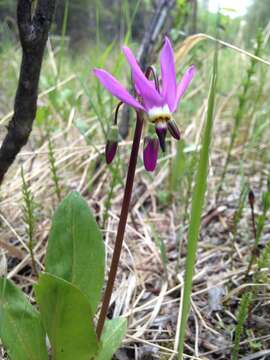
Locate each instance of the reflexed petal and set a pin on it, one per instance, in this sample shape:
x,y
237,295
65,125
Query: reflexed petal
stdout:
x,y
186,79
149,94
173,129
168,74
116,89
110,150
161,130
150,153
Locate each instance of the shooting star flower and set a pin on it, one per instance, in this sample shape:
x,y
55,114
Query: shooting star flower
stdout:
x,y
157,102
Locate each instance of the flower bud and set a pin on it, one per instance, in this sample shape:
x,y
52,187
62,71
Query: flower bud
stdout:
x,y
251,198
150,152
173,129
111,145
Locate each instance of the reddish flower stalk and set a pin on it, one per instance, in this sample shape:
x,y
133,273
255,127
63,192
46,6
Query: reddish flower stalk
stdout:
x,y
122,223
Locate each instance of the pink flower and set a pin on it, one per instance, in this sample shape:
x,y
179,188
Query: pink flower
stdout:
x,y
157,102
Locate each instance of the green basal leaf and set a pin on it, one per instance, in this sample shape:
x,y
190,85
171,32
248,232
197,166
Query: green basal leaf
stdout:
x,y
21,330
67,318
75,250
112,336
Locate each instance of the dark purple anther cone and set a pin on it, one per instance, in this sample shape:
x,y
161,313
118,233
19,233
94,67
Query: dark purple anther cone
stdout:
x,y
161,133
173,129
150,153
110,151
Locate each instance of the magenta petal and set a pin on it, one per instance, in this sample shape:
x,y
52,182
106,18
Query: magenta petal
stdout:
x,y
110,151
151,97
168,74
186,79
173,129
116,89
150,153
161,130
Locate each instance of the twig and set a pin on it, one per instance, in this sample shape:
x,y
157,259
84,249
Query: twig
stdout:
x,y
257,355
153,30
33,31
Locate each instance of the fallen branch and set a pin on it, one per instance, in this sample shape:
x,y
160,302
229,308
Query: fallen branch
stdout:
x,y
154,31
34,25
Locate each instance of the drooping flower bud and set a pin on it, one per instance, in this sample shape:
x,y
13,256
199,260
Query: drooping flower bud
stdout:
x,y
251,198
150,152
173,129
161,130
111,145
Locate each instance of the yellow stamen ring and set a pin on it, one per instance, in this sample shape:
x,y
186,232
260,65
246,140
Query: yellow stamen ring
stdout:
x,y
161,118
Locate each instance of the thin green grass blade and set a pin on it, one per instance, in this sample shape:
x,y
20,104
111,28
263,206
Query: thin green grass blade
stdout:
x,y
196,212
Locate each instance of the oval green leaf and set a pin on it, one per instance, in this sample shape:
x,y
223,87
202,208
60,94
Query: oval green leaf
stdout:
x,y
67,318
76,250
112,337
21,330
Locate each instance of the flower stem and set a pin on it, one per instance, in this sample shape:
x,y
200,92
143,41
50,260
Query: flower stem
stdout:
x,y
122,224
254,251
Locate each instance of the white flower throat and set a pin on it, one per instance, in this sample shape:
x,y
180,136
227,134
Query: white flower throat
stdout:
x,y
160,115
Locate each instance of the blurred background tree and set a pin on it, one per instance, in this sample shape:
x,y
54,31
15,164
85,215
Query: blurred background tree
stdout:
x,y
258,16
